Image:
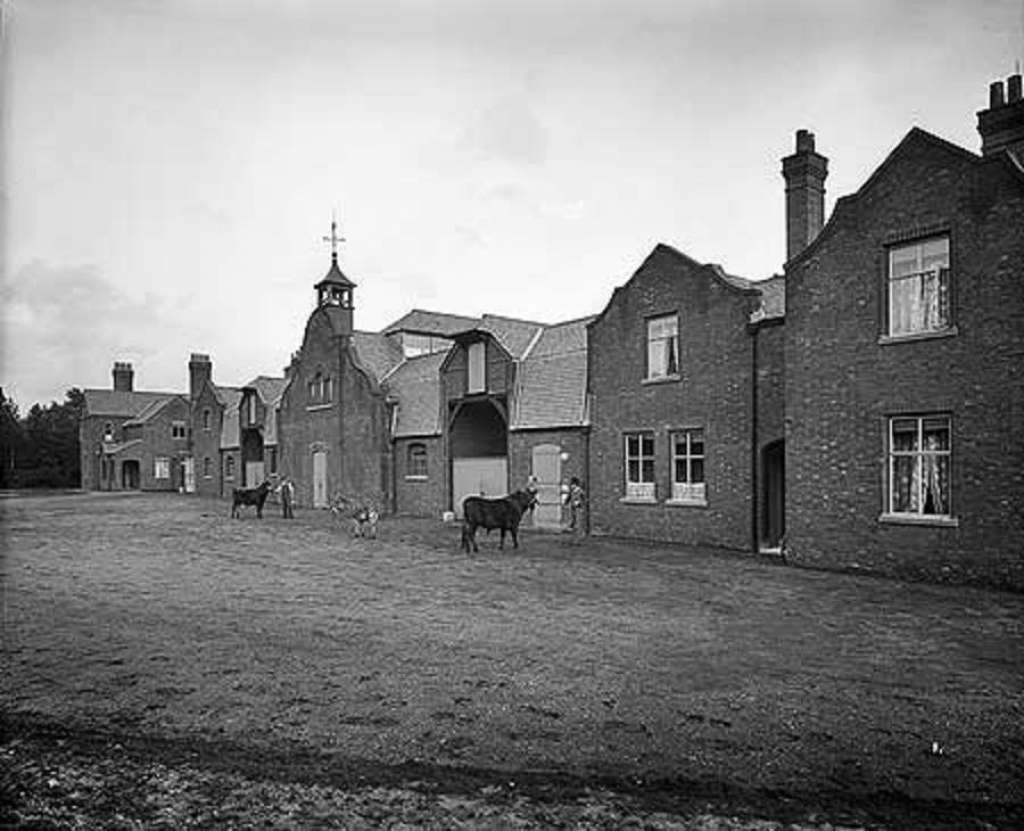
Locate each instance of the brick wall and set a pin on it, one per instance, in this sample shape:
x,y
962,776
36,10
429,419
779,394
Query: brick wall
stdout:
x,y
713,393
206,442
572,441
842,383
414,496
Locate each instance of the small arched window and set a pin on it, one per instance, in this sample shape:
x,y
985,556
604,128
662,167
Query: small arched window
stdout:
x,y
207,467
416,461
229,467
206,419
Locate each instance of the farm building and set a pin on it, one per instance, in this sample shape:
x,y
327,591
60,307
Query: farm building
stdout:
x,y
864,410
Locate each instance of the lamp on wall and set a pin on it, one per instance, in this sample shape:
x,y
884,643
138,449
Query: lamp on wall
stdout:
x,y
564,456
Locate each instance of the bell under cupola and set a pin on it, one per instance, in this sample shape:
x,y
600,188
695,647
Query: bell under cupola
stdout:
x,y
335,290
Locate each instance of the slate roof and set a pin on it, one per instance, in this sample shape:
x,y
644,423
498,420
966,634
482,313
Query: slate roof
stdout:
x,y
151,410
231,397
376,352
551,385
423,322
513,334
119,403
773,299
415,384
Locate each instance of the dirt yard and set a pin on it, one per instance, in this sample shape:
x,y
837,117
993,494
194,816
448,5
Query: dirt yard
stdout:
x,y
166,665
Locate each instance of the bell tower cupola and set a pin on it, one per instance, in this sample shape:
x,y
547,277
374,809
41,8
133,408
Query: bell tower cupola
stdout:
x,y
335,290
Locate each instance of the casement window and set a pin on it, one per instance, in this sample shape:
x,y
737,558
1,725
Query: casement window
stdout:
x,y
321,389
207,467
476,356
416,462
229,467
178,430
919,456
161,467
663,347
919,287
688,466
206,419
639,451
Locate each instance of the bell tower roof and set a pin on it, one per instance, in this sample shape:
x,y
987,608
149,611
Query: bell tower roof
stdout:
x,y
334,274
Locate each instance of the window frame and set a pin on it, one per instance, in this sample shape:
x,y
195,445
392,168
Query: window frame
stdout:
x,y
207,467
179,426
162,463
229,467
206,419
649,342
889,512
642,489
417,462
946,292
685,491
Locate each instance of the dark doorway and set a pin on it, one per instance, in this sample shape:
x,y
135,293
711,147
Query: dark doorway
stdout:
x,y
773,459
130,475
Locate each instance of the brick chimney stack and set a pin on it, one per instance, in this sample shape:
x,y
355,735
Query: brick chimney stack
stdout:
x,y
123,376
200,370
805,173
1002,125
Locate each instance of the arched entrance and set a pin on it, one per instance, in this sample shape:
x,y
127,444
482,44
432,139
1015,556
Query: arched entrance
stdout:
x,y
130,475
773,523
478,447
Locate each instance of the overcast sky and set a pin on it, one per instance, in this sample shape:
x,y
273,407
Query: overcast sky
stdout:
x,y
171,166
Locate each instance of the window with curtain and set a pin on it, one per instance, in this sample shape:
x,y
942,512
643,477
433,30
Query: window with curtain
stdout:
x,y
161,467
663,347
688,466
919,287
919,455
416,462
639,449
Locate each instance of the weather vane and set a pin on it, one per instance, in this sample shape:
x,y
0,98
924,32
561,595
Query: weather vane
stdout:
x,y
334,239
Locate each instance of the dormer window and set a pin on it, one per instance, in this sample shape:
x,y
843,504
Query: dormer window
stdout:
x,y
476,356
663,347
320,389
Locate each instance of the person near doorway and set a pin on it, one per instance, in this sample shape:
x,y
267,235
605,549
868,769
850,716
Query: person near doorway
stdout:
x,y
574,499
287,491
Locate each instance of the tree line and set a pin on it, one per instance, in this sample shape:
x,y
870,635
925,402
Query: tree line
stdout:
x,y
41,449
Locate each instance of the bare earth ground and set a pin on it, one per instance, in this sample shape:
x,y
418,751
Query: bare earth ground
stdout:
x,y
165,666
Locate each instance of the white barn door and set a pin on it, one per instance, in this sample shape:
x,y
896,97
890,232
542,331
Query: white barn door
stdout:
x,y
547,470
320,479
188,468
478,476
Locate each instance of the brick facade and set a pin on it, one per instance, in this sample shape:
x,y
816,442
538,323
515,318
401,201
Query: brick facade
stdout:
x,y
711,392
417,495
572,441
845,378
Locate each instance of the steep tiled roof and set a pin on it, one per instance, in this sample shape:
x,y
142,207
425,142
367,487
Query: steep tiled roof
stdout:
x,y
416,386
269,388
423,322
229,427
376,353
118,403
552,379
773,298
152,409
225,394
515,335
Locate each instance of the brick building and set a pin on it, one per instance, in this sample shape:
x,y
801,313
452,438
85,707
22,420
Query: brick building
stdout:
x,y
905,364
676,360
134,440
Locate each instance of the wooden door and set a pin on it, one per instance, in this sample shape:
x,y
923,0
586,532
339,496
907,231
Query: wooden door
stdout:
x,y
546,469
320,479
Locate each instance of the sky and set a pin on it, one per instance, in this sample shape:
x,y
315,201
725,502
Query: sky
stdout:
x,y
171,167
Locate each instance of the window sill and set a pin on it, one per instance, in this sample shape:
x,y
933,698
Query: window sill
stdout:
x,y
662,379
948,332
919,519
415,478
687,503
312,408
638,500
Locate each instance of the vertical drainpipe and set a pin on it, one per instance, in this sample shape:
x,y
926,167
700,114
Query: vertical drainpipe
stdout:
x,y
755,546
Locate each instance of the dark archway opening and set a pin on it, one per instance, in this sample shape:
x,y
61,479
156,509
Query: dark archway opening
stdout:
x,y
130,475
773,524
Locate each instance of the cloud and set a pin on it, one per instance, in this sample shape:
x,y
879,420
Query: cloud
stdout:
x,y
65,324
508,129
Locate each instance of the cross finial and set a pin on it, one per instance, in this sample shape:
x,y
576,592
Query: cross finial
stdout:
x,y
334,239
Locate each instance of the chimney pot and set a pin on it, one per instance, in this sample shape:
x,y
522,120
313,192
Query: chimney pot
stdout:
x,y
1013,91
804,141
995,95
123,376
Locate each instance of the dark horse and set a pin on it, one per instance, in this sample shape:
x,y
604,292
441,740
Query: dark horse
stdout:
x,y
250,496
503,513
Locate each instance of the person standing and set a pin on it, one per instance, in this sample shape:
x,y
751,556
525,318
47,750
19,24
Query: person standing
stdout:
x,y
575,499
287,495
